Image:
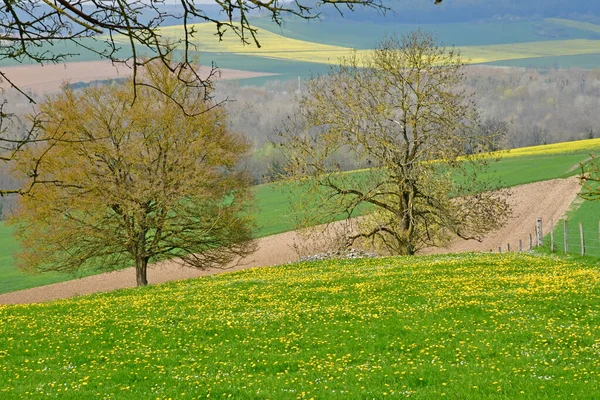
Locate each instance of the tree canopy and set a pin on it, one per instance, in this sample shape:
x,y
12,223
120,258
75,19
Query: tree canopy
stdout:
x,y
122,183
400,113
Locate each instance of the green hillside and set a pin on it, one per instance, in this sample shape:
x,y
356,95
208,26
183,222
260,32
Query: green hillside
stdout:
x,y
275,213
587,61
588,214
365,35
542,43
470,326
13,279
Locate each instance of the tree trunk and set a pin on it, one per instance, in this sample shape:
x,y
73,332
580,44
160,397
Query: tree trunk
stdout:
x,y
141,267
407,224
410,251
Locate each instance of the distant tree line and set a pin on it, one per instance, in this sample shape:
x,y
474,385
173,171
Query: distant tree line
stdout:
x,y
531,106
539,106
83,85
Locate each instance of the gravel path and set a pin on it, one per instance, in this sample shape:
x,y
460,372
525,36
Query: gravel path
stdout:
x,y
548,199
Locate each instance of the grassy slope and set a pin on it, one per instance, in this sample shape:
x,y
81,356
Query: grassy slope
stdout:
x,y
585,212
460,326
519,166
589,61
343,33
285,69
274,212
13,279
586,26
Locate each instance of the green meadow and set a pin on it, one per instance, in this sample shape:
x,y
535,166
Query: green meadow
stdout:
x,y
274,212
459,326
365,35
586,213
468,326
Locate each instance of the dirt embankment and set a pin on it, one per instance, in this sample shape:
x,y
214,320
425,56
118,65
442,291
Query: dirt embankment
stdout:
x,y
549,200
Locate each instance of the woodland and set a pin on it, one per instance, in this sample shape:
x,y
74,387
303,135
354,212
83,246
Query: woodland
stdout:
x,y
535,106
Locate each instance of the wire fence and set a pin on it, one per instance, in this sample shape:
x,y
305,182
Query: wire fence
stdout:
x,y
562,236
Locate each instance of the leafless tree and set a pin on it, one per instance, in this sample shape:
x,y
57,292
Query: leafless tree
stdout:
x,y
400,112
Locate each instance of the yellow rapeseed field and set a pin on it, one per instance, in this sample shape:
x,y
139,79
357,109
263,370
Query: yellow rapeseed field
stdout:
x,y
271,43
589,145
281,47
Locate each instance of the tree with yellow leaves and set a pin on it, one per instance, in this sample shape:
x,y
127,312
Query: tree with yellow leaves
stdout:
x,y
119,182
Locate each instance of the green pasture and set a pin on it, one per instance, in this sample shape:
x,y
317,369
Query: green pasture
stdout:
x,y
283,69
274,212
467,326
587,61
588,214
75,51
586,26
513,171
366,35
12,279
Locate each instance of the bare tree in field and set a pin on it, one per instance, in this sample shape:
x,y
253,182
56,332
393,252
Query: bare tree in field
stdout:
x,y
399,112
119,183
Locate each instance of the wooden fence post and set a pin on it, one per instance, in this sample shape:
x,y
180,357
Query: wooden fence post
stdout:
x,y
520,245
500,249
530,242
508,247
538,231
566,235
582,240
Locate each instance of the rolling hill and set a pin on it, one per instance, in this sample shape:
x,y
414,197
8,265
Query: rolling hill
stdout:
x,y
301,48
275,213
471,325
325,43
